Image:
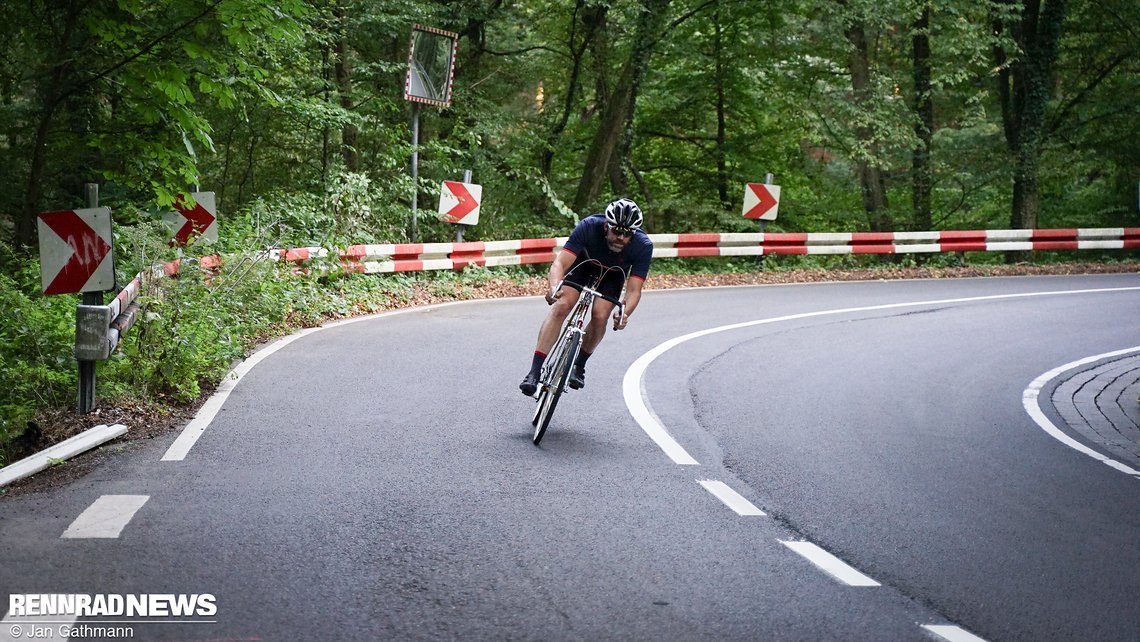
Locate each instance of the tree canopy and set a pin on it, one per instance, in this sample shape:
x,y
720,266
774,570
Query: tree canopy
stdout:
x,y
884,115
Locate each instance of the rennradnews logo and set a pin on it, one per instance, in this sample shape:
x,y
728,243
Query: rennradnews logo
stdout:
x,y
113,604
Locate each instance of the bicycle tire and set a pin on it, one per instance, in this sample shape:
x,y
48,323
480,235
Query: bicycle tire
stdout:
x,y
547,373
549,399
545,376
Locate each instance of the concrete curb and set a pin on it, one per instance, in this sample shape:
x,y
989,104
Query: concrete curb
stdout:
x,y
67,449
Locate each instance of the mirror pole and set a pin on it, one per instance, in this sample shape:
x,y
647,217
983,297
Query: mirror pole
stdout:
x,y
415,167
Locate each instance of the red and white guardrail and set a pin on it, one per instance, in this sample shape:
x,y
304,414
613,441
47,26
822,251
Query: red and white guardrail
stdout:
x,y
688,245
118,316
416,257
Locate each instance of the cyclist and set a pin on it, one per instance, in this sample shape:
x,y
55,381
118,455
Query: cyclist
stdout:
x,y
615,239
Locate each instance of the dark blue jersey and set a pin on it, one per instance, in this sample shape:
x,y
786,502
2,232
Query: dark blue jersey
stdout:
x,y
588,241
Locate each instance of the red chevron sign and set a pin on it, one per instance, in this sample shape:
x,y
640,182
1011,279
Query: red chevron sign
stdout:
x,y
761,201
459,202
193,219
75,251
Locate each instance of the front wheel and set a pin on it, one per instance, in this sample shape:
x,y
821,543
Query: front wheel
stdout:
x,y
547,374
552,391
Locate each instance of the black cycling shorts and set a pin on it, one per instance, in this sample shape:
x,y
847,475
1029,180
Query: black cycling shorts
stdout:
x,y
582,274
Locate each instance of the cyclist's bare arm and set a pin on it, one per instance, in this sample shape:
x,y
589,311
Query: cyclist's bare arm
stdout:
x,y
558,269
632,297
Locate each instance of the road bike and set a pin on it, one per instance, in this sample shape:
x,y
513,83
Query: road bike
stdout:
x,y
555,373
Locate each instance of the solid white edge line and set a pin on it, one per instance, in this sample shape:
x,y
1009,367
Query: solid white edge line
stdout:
x,y
952,633
633,385
193,430
205,415
106,517
730,498
1030,399
830,564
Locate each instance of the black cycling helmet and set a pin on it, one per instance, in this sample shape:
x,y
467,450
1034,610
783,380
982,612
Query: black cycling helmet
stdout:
x,y
624,213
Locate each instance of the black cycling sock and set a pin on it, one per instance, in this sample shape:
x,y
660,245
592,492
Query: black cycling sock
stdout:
x,y
581,360
536,362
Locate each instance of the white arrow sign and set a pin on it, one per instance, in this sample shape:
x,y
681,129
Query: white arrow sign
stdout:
x,y
75,251
191,221
459,202
761,201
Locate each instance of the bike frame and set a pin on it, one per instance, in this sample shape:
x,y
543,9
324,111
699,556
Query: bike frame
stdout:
x,y
556,369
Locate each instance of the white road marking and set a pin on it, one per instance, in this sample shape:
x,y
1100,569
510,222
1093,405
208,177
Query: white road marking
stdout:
x,y
952,633
193,430
633,385
26,624
106,517
730,497
830,564
1030,400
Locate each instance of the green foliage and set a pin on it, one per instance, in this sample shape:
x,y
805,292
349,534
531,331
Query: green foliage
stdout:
x,y
37,339
194,326
352,210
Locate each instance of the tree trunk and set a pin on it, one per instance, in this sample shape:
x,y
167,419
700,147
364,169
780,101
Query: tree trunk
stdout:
x,y
592,20
617,116
721,116
326,131
870,176
922,178
50,101
1024,90
26,222
343,71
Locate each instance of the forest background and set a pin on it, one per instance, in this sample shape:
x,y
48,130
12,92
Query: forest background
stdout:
x,y
873,115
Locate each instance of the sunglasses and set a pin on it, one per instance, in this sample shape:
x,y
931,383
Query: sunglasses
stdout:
x,y
623,232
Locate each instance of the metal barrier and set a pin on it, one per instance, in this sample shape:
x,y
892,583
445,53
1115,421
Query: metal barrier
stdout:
x,y
98,328
417,257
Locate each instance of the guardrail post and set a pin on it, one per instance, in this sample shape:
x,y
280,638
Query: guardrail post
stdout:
x,y
86,401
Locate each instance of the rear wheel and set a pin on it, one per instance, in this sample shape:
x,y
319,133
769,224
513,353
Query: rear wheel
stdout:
x,y
552,390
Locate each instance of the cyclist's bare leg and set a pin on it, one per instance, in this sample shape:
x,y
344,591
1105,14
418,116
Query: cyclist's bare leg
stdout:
x,y
552,324
599,319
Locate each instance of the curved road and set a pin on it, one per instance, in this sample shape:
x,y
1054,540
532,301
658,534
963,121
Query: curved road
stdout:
x,y
863,469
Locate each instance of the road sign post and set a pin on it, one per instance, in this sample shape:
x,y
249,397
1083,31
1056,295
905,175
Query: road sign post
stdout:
x,y
76,255
86,400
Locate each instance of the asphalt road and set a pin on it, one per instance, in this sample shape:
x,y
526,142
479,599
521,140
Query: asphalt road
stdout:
x,y
375,480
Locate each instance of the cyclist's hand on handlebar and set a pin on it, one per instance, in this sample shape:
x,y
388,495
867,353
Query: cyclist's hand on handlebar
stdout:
x,y
553,295
620,321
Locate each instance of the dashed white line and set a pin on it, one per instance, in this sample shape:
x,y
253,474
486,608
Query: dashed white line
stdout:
x,y
730,497
952,633
830,564
1030,399
105,518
